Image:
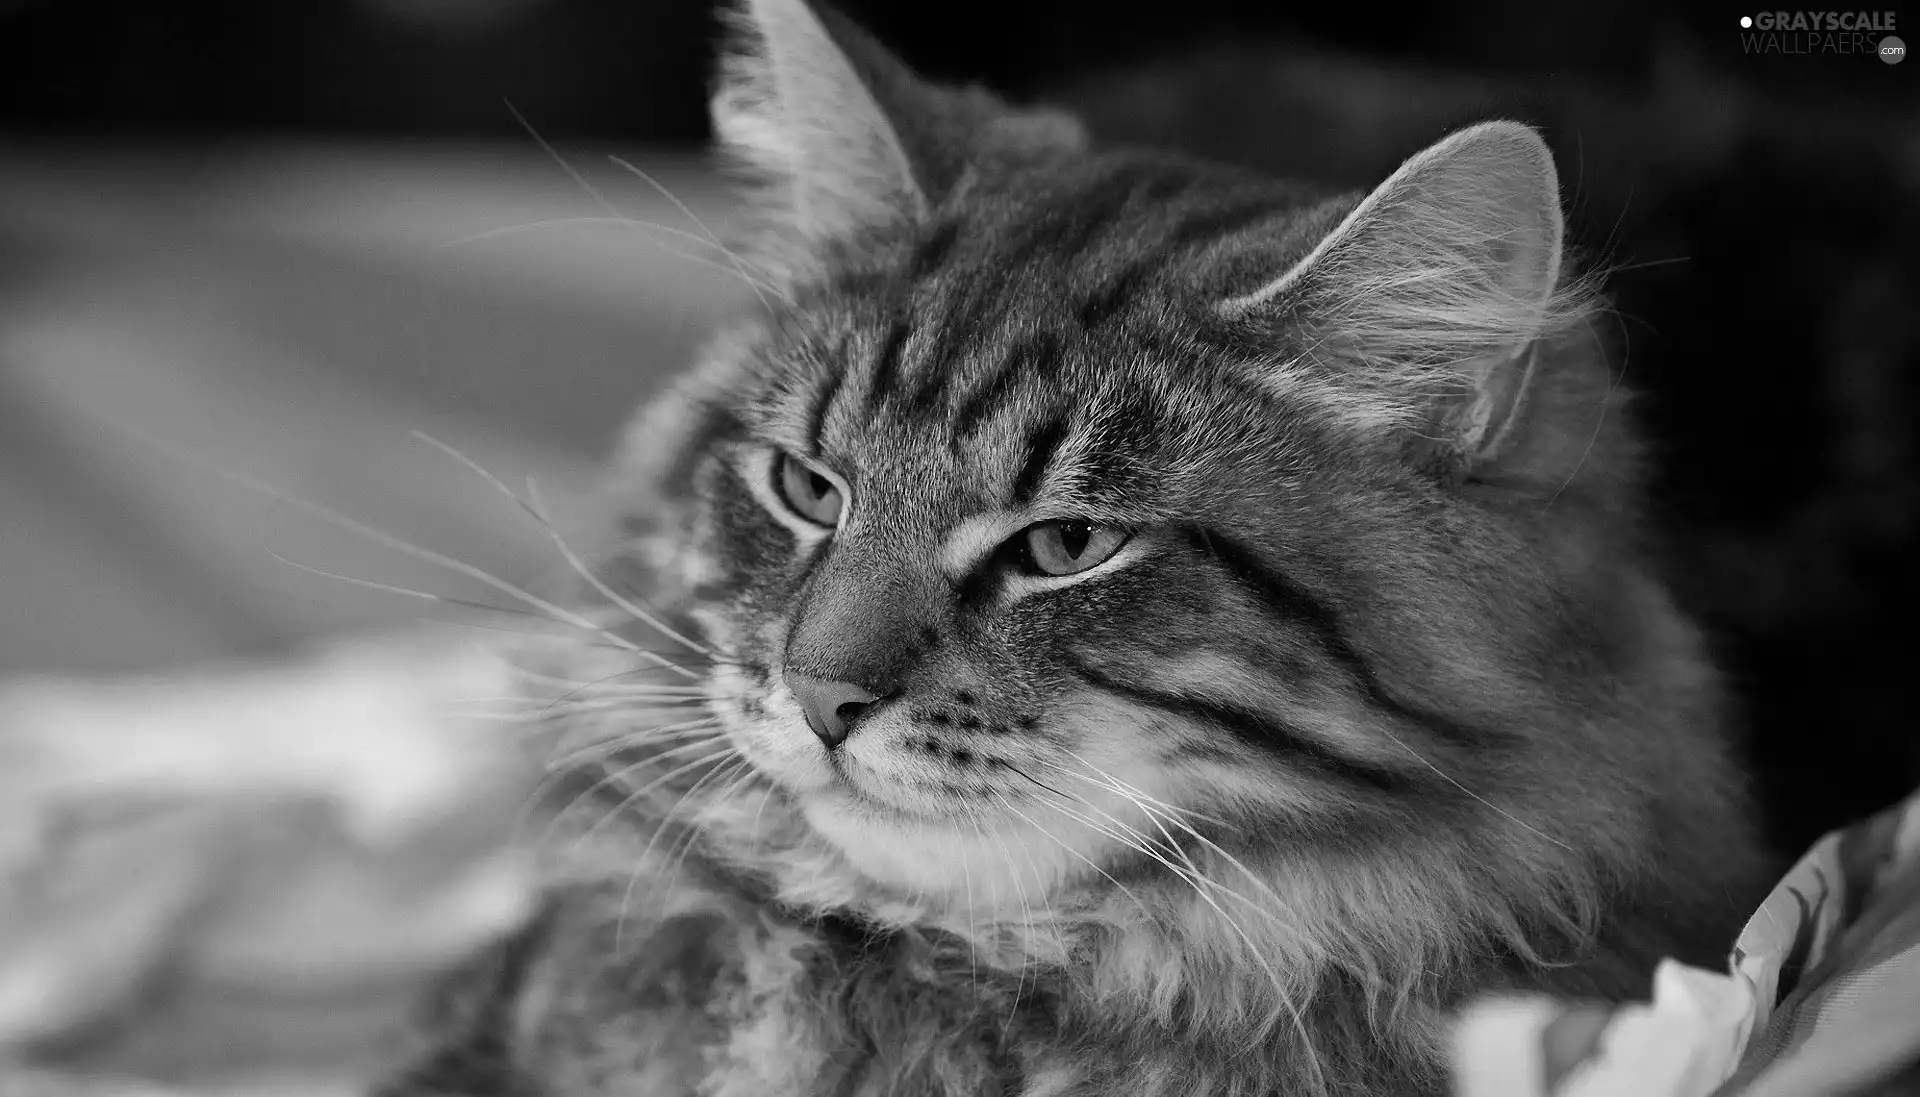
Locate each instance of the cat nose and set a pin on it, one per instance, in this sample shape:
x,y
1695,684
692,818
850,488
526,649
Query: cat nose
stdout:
x,y
831,707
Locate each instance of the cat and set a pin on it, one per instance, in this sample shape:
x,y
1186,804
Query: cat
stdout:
x,y
1794,558
1110,623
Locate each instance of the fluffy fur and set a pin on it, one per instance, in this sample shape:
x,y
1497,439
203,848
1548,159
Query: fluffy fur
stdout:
x,y
1379,704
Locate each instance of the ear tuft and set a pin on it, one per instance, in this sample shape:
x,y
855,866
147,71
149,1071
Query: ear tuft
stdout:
x,y
1436,287
793,110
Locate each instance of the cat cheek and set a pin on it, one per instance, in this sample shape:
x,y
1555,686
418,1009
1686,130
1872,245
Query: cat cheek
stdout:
x,y
777,743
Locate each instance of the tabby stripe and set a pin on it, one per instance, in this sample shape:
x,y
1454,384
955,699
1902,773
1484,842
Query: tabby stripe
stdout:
x,y
1065,235
715,425
1105,301
957,333
1039,355
1257,729
887,364
822,403
1130,428
1042,446
932,253
481,1062
800,584
1210,225
1285,598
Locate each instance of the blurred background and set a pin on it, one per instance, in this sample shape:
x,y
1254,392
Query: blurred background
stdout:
x,y
247,249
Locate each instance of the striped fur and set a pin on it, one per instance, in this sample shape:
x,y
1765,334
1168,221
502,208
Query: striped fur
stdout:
x,y
1429,721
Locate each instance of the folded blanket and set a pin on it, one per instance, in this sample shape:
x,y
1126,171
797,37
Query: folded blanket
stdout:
x,y
245,880
1821,998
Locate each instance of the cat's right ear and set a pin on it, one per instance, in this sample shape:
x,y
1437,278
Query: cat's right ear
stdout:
x,y
839,139
1427,303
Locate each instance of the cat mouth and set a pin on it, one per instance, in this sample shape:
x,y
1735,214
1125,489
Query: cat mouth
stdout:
x,y
924,779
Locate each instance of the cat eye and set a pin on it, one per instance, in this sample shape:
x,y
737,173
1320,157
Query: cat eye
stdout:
x,y
809,493
1067,548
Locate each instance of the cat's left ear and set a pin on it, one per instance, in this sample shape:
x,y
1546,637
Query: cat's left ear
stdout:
x,y
843,139
1432,297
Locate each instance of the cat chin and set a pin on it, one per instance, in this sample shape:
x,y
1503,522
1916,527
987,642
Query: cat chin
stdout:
x,y
987,866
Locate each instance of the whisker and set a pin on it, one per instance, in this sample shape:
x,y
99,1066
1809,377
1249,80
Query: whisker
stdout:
x,y
617,219
677,861
600,683
647,789
1147,805
1135,791
573,560
1195,880
566,551
1284,1000
973,930
391,588
615,743
766,799
565,222
1007,802
726,765
557,772
560,772
587,706
1600,421
1159,813
1123,834
385,540
762,281
596,644
602,689
1496,808
593,192
744,777
1026,924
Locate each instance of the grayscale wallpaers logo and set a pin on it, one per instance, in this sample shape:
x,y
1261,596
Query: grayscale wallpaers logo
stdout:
x,y
1862,32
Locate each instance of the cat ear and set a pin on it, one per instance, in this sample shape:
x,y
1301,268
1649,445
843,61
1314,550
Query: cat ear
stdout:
x,y
842,138
1436,290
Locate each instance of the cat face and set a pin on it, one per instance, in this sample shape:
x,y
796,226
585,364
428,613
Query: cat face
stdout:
x,y
1060,500
995,553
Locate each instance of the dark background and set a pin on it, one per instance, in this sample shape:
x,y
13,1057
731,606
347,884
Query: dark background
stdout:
x,y
1760,212
637,69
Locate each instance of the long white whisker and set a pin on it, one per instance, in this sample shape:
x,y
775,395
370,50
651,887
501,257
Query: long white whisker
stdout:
x,y
1496,808
544,632
687,735
726,765
628,222
557,773
742,779
573,560
599,684
758,283
1284,1000
1027,926
614,744
1165,813
593,192
1007,802
564,222
385,540
973,930
645,790
553,534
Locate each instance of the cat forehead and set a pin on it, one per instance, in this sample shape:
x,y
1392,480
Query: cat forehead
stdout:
x,y
971,413
1050,330
933,423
